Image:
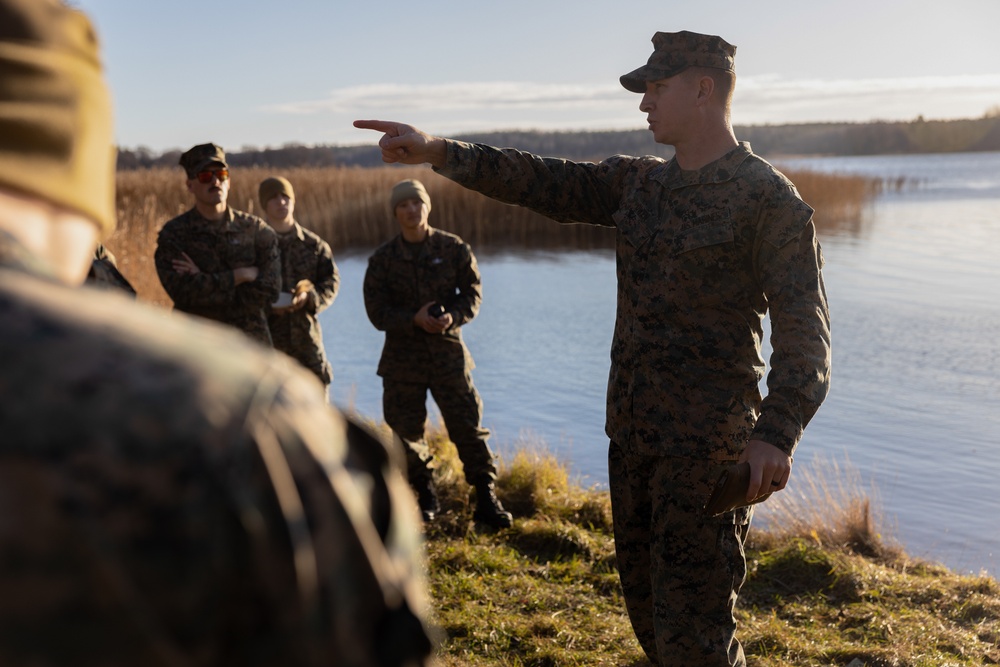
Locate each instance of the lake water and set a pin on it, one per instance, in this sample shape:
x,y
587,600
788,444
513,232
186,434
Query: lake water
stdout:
x,y
915,403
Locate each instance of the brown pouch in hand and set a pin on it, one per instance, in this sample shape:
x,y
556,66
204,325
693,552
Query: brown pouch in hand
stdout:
x,y
730,490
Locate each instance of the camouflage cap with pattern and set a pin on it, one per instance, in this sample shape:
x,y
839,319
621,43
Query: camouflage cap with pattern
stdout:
x,y
197,158
674,52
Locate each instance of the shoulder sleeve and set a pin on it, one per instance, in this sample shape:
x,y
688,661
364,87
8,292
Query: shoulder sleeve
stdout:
x,y
560,189
789,263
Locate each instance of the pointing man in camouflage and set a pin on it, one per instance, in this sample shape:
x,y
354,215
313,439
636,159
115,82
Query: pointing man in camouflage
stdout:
x,y
309,280
707,243
171,493
214,261
420,288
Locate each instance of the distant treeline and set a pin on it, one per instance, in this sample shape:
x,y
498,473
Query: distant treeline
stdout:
x,y
876,138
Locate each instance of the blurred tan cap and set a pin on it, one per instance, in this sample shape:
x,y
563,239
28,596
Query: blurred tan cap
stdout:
x,y
56,128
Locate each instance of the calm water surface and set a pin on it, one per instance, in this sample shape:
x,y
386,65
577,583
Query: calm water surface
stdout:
x,y
915,404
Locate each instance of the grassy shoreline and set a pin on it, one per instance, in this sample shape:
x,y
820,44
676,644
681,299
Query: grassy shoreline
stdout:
x,y
826,589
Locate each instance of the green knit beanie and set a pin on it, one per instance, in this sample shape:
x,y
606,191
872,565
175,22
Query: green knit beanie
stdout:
x,y
408,189
272,187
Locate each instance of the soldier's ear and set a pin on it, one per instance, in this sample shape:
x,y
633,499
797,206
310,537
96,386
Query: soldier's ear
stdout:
x,y
189,183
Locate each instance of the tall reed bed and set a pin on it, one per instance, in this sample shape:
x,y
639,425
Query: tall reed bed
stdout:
x,y
348,206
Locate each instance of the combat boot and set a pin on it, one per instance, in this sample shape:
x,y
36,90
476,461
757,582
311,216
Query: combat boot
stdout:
x,y
427,499
488,508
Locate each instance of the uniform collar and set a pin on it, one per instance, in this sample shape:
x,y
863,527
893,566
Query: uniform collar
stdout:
x,y
225,222
296,230
403,247
724,169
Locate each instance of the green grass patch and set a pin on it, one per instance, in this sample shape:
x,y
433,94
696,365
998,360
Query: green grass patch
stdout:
x,y
826,586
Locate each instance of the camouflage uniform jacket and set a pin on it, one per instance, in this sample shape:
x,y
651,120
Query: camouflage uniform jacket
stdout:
x,y
172,494
701,256
305,256
238,240
399,281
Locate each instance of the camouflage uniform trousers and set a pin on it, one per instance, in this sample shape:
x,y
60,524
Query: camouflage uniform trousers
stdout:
x,y
681,571
404,405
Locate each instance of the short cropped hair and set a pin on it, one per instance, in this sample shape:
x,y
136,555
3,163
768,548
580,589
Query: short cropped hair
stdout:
x,y
725,82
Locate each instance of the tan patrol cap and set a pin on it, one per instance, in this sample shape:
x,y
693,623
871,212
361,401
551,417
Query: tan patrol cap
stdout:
x,y
197,158
674,52
56,137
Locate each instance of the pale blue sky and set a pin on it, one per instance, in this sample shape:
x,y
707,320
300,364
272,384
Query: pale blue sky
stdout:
x,y
249,73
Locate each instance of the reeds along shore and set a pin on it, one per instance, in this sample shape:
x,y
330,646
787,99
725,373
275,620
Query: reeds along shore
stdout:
x,y
348,206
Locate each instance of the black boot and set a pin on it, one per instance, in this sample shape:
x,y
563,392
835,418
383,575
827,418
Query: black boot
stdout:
x,y
427,499
488,508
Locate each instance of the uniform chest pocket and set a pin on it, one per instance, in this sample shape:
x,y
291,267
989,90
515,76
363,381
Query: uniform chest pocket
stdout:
x,y
704,236
240,249
635,223
439,273
702,267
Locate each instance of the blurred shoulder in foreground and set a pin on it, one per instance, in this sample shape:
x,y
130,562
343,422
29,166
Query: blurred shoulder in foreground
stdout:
x,y
171,493
170,488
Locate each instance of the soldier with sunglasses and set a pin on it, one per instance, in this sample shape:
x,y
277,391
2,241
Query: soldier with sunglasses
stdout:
x,y
214,261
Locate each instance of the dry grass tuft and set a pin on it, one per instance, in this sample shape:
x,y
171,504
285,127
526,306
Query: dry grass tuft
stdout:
x,y
827,503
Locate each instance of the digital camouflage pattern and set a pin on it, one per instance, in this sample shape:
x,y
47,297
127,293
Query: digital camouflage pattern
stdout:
x,y
305,256
173,494
217,248
674,52
680,592
400,279
404,408
104,273
701,257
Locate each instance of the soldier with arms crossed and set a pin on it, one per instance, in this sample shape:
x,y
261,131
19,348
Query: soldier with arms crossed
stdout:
x,y
707,243
214,261
171,493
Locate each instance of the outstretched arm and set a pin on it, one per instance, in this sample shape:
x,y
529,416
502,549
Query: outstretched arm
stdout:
x,y
405,143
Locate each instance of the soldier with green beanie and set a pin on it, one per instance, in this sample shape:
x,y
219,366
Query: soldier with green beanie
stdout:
x,y
707,243
309,281
215,261
171,493
420,288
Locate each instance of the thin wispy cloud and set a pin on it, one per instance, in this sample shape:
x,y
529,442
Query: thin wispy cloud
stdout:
x,y
773,99
763,98
454,97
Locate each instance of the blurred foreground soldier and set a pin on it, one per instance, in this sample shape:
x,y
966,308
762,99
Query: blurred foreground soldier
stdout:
x,y
309,281
707,243
170,492
420,288
215,261
104,273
